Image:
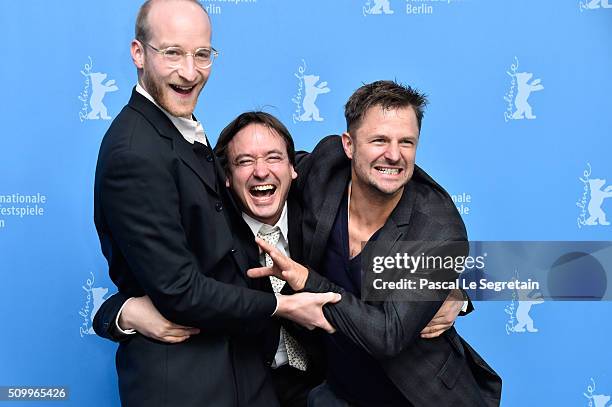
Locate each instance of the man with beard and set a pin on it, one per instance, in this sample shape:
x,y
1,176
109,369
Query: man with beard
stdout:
x,y
366,188
169,231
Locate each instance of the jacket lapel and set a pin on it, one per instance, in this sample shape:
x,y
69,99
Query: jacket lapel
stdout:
x,y
166,129
397,225
294,220
327,215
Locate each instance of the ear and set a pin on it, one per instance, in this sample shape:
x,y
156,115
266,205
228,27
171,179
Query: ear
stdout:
x,y
137,51
347,145
293,173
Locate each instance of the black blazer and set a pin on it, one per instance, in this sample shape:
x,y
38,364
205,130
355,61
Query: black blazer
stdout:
x,y
169,231
443,371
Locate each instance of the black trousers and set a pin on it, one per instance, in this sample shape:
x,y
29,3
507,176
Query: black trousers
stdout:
x,y
292,385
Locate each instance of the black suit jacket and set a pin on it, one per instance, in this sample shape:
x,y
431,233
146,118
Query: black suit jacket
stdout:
x,y
169,231
443,371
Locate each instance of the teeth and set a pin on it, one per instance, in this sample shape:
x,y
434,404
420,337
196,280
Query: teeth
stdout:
x,y
390,171
263,187
183,87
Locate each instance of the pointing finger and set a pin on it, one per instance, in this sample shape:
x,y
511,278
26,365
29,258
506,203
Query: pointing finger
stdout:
x,y
260,272
265,246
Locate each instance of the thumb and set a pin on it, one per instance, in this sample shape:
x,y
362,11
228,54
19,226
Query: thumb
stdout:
x,y
331,298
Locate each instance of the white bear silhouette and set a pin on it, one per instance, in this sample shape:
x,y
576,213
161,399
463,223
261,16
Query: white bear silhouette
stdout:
x,y
524,90
595,4
311,111
597,215
381,6
98,298
600,400
523,319
99,89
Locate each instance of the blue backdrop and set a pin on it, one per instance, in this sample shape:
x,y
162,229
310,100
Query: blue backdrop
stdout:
x,y
517,131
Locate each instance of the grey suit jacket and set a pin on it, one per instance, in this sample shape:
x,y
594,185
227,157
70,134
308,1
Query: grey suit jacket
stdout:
x,y
443,371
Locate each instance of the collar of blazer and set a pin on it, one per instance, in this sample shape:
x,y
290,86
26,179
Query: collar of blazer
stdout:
x,y
182,147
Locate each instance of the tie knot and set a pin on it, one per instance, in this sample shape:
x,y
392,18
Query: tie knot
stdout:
x,y
270,234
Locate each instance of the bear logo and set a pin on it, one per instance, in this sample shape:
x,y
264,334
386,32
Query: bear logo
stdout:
x,y
99,90
98,298
600,400
596,214
379,7
523,319
595,4
312,91
523,109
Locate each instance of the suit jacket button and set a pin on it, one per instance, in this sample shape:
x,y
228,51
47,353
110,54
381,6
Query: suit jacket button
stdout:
x,y
233,250
209,158
219,206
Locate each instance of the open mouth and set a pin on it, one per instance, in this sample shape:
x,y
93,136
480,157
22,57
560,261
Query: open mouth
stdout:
x,y
262,191
388,170
183,90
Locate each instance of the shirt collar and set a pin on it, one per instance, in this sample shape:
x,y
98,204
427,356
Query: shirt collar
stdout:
x,y
190,129
256,225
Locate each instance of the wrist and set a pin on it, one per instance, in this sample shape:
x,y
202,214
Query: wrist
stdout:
x,y
283,305
121,323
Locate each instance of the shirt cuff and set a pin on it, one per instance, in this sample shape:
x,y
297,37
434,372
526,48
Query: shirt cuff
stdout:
x,y
131,331
275,308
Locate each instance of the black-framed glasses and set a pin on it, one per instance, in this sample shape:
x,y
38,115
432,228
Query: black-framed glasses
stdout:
x,y
174,56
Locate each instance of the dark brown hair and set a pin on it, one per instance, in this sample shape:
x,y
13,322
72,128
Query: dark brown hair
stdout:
x,y
386,94
243,120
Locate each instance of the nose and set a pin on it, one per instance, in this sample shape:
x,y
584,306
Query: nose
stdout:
x,y
392,153
188,69
261,169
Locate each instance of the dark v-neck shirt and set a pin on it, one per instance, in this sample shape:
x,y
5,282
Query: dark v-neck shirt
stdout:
x,y
352,373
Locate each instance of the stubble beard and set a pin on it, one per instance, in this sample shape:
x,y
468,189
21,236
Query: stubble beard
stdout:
x,y
154,89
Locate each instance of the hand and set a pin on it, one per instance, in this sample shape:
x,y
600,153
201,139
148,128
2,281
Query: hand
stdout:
x,y
284,268
140,314
307,309
445,317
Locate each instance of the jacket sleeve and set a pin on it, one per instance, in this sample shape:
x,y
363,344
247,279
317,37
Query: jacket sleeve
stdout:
x,y
140,203
382,328
104,322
